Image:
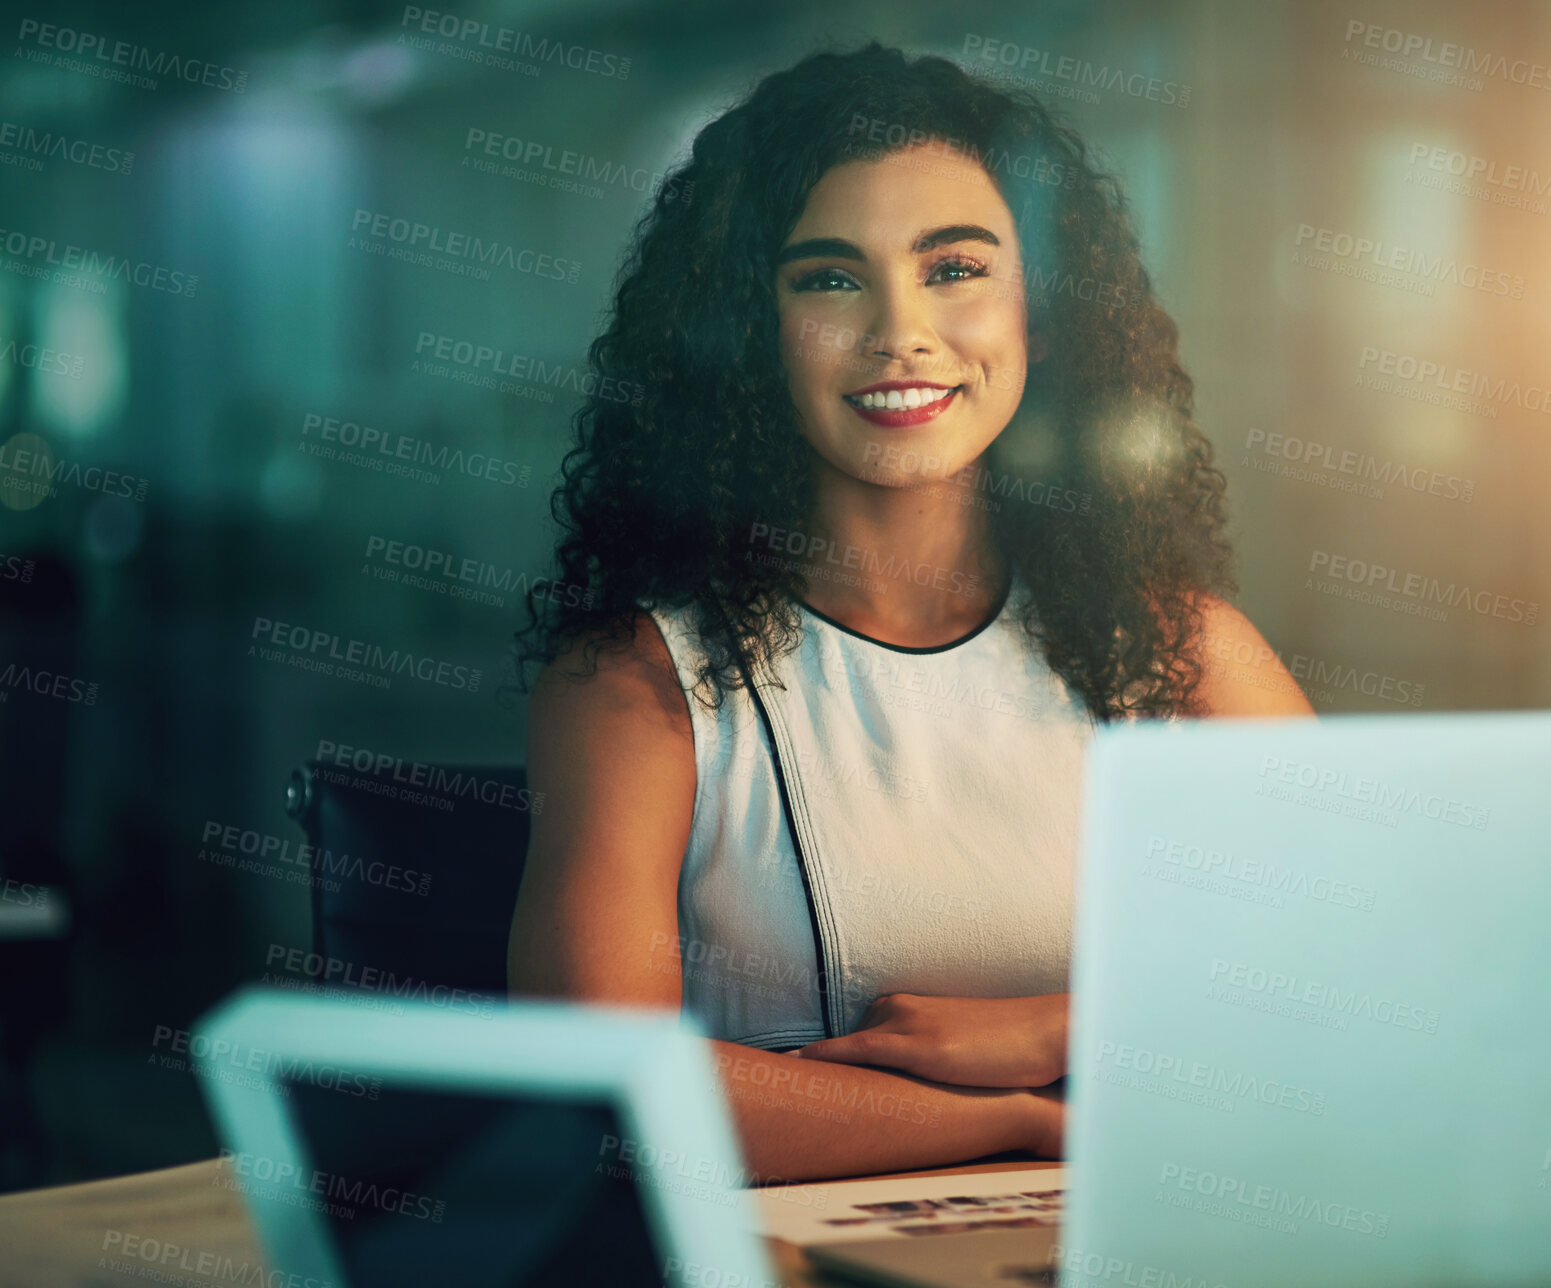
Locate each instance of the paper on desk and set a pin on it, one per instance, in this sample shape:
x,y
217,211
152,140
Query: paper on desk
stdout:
x,y
839,1210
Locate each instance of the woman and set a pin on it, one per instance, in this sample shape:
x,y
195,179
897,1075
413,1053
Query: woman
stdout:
x,y
911,500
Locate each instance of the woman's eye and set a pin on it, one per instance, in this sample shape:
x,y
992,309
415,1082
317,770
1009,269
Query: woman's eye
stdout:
x,y
824,279
956,270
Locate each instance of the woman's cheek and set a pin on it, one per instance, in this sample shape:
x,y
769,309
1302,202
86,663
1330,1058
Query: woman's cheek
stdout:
x,y
994,323
798,332
810,354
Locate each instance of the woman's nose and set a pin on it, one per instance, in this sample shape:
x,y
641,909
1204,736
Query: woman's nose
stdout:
x,y
900,326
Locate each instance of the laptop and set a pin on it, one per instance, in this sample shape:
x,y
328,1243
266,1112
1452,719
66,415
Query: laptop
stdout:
x,y
1311,1019
536,1144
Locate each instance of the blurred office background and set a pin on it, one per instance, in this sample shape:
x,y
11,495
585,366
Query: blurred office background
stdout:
x,y
183,398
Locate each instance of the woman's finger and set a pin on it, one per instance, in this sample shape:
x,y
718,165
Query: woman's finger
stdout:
x,y
872,1016
865,1046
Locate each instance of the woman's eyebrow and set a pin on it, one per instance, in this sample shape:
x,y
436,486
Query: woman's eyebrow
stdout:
x,y
838,248
950,233
820,248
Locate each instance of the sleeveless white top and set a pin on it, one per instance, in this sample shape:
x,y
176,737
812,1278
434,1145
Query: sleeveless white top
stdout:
x,y
897,820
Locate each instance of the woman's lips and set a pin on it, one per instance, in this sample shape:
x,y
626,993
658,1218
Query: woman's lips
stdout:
x,y
905,416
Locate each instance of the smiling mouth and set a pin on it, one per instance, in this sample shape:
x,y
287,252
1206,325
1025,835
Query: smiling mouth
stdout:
x,y
901,399
902,408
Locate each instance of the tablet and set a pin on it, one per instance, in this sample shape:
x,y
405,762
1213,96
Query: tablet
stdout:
x,y
535,1144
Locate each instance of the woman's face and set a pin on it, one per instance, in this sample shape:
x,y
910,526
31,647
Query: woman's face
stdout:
x,y
903,315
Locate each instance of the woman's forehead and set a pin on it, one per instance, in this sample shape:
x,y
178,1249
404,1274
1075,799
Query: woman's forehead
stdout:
x,y
892,198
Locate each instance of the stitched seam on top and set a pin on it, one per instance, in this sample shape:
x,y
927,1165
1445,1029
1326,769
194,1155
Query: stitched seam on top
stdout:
x,y
800,808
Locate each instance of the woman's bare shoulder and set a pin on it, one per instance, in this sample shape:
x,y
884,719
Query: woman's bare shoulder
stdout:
x,y
1243,675
600,686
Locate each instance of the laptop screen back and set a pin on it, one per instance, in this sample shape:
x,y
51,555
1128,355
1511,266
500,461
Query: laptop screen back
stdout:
x,y
1311,1040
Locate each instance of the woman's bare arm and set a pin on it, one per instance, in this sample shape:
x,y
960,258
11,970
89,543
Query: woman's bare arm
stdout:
x,y
597,920
810,1119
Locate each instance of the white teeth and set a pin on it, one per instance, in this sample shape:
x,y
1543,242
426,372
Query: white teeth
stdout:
x,y
895,400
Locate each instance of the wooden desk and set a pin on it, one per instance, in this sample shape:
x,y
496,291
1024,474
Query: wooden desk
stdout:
x,y
65,1237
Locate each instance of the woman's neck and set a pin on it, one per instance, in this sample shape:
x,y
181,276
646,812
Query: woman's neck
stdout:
x,y
912,565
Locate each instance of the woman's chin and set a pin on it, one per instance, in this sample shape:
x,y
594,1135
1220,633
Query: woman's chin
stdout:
x,y
932,472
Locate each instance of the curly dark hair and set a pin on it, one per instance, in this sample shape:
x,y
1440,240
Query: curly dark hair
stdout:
x,y
660,493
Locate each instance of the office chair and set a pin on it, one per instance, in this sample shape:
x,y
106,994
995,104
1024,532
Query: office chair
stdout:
x,y
407,886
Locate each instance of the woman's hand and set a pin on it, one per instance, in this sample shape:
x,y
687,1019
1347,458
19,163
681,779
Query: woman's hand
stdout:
x,y
968,1041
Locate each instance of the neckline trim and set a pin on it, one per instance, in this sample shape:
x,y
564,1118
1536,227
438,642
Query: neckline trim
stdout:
x,y
996,614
